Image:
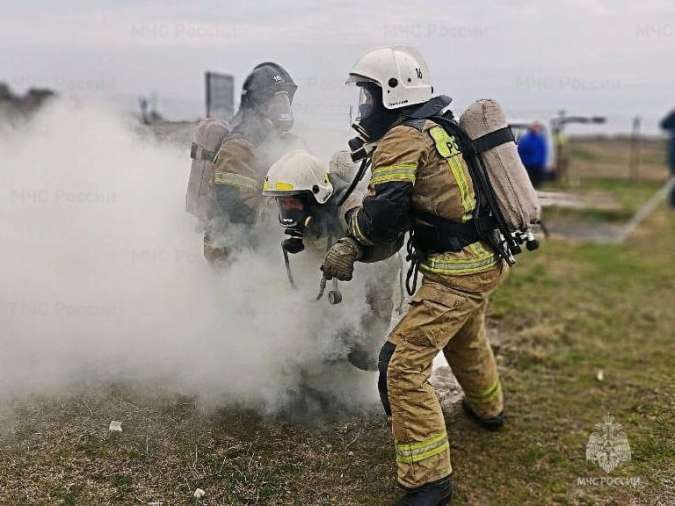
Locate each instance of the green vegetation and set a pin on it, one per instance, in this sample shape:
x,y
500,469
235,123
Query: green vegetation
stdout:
x,y
580,152
602,308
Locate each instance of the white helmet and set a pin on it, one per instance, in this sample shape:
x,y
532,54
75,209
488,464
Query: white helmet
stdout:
x,y
295,173
400,71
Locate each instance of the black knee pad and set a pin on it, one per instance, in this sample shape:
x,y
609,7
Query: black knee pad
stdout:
x,y
383,364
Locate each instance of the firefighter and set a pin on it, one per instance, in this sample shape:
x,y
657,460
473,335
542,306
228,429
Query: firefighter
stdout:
x,y
260,134
420,181
313,217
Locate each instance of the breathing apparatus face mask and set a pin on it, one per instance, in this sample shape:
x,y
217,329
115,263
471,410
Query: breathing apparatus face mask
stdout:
x,y
373,119
278,110
294,216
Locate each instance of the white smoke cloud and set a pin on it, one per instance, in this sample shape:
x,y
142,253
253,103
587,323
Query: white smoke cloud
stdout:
x,y
103,278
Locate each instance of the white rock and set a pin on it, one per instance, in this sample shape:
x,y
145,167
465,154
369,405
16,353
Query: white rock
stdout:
x,y
115,426
600,375
199,493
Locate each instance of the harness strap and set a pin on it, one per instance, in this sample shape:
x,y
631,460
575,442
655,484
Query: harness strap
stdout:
x,y
436,234
415,257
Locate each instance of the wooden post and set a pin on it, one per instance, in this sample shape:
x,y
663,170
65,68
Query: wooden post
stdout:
x,y
634,160
560,144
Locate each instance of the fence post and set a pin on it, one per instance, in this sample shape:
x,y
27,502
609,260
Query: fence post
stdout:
x,y
634,160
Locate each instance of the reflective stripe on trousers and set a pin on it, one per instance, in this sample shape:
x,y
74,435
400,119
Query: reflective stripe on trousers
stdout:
x,y
416,452
439,318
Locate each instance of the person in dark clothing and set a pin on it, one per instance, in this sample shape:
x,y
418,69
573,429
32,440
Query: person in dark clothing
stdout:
x,y
533,151
668,124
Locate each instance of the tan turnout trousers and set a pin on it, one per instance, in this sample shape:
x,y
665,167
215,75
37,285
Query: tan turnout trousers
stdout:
x,y
443,318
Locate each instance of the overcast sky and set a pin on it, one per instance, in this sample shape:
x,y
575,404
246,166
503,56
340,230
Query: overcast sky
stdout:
x,y
615,58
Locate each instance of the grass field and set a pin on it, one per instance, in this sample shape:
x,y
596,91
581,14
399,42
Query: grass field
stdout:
x,y
582,331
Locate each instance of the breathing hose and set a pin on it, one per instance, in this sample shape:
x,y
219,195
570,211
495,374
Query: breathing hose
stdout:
x,y
357,178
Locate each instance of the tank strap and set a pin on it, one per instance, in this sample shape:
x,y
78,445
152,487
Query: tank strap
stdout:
x,y
494,139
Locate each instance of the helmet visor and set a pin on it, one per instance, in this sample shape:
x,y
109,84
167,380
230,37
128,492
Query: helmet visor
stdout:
x,y
291,203
366,104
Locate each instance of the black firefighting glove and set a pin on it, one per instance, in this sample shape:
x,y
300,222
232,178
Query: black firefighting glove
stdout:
x,y
339,260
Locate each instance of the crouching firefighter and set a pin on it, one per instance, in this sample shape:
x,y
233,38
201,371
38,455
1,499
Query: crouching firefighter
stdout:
x,y
421,183
230,161
313,210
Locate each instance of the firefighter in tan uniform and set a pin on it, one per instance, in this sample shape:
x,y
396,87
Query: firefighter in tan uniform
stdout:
x,y
421,183
260,135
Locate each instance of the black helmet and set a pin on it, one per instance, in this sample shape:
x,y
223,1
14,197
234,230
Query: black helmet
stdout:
x,y
264,81
267,94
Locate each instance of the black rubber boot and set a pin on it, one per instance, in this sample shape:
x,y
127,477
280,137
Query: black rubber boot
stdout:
x,y
437,493
492,423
